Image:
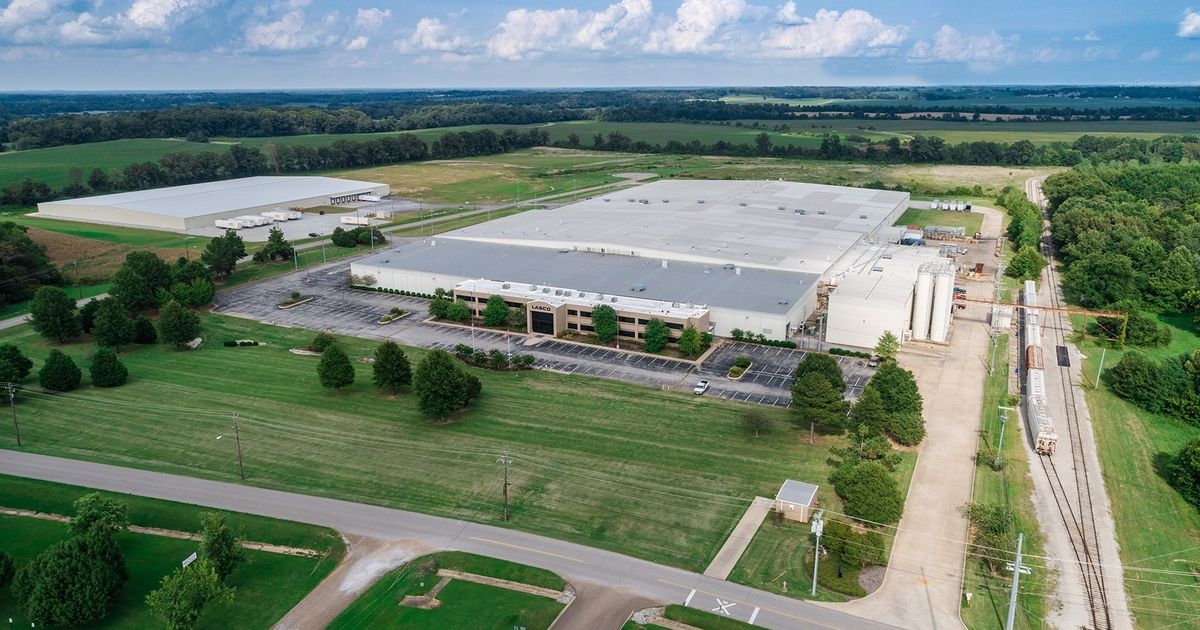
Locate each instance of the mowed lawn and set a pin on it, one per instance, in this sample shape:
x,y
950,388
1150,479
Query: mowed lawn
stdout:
x,y
1158,532
268,584
972,221
464,605
53,165
658,475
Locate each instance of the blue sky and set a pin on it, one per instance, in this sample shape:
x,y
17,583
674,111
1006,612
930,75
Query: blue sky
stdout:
x,y
249,44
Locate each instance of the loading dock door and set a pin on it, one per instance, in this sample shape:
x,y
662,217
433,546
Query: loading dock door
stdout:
x,y
542,322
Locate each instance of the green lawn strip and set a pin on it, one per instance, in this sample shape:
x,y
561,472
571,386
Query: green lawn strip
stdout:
x,y
972,221
462,222
703,620
781,550
502,569
629,625
250,271
87,291
464,605
1157,531
136,237
1011,486
53,165
57,498
268,585
586,466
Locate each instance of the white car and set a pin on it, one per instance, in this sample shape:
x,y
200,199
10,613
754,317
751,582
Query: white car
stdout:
x,y
700,387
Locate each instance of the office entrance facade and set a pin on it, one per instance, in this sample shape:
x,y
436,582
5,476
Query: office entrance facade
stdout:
x,y
541,322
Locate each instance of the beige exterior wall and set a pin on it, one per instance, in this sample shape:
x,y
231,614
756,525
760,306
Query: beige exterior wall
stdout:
x,y
793,511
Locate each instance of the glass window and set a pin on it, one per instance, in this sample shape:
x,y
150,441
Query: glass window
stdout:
x,y
626,333
586,327
625,320
572,311
587,314
643,322
572,325
674,325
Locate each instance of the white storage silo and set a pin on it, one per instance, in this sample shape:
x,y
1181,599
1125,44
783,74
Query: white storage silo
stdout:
x,y
943,301
922,302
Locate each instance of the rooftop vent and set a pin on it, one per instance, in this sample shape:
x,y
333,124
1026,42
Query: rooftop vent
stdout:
x,y
632,200
820,212
533,287
564,251
782,208
637,286
612,299
674,304
886,257
727,266
666,201
700,201
801,211
862,216
545,289
558,292
707,270
783,301
606,200
742,203
506,286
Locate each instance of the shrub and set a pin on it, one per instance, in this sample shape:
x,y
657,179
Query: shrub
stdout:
x,y
441,386
143,330
524,361
742,362
391,370
870,493
656,335
321,341
72,583
59,373
6,570
497,360
458,312
107,370
229,343
177,325
1183,472
14,366
463,351
335,370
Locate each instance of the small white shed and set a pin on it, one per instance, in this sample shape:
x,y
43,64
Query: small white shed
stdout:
x,y
795,500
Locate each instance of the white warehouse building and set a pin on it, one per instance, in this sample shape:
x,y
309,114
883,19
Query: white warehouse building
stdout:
x,y
180,208
748,255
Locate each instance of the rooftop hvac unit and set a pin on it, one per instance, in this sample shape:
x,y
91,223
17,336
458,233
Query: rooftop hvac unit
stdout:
x,y
533,287
862,216
612,299
742,203
700,201
781,208
820,212
637,286
674,304
666,201
564,251
606,200
801,211
546,290
558,292
506,286
727,266
632,200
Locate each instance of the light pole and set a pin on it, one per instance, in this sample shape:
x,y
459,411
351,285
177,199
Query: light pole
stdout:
x,y
12,404
322,248
1017,570
475,302
237,438
818,526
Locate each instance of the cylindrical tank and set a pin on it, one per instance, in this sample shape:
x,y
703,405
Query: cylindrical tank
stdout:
x,y
922,303
943,301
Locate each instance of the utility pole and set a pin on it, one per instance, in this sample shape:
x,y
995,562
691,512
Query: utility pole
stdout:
x,y
237,438
1017,570
505,460
1000,448
12,404
1103,351
818,526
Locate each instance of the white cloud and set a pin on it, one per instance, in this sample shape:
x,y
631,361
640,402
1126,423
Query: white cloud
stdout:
x,y
358,43
853,33
431,34
1149,55
158,14
371,19
1189,26
1089,36
696,23
949,45
20,13
85,29
525,34
288,32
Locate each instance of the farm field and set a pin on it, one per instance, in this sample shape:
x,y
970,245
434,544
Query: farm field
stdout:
x,y
954,132
1158,532
1013,487
267,584
53,165
464,605
972,221
587,468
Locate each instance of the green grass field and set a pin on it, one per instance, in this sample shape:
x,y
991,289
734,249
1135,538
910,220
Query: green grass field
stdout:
x,y
267,584
1158,532
464,605
1011,486
456,223
972,221
135,237
587,467
53,165
84,291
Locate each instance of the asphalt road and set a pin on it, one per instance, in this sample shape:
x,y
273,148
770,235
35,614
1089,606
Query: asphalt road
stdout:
x,y
572,561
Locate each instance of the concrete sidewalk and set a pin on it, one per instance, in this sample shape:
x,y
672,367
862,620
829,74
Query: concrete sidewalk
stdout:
x,y
737,542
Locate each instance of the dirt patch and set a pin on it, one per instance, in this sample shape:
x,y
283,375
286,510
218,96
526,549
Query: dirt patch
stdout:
x,y
97,260
871,578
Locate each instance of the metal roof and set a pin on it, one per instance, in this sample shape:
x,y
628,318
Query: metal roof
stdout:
x,y
759,290
797,492
767,224
232,194
559,296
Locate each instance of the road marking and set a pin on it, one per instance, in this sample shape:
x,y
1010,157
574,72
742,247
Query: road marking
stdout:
x,y
689,597
510,545
723,607
754,615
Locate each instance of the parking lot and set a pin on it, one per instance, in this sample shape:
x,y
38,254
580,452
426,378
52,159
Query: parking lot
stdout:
x,y
336,307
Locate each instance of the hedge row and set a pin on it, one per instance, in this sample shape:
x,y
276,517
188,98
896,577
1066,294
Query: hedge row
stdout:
x,y
244,342
423,296
842,352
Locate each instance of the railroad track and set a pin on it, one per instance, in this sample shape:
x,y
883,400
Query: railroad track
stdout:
x,y
1076,509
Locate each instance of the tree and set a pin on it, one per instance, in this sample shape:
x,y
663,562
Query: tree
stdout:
x,y
1170,282
897,388
906,427
143,330
496,311
59,373
321,341
823,364
656,335
334,370
440,385
604,322
177,325
87,315
756,421
52,314
870,493
112,326
1183,472
888,346
458,311
391,370
817,403
180,599
1026,264
7,569
218,544
854,548
94,511
136,283
690,342
275,247
74,582
223,252
14,366
107,370
869,411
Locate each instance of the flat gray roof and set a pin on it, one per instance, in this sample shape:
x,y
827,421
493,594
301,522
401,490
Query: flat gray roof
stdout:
x,y
783,225
758,290
224,196
797,492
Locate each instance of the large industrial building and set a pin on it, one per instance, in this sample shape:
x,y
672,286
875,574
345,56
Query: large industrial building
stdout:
x,y
180,208
717,255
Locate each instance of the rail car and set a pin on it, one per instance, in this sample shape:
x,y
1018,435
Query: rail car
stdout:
x,y
1037,412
